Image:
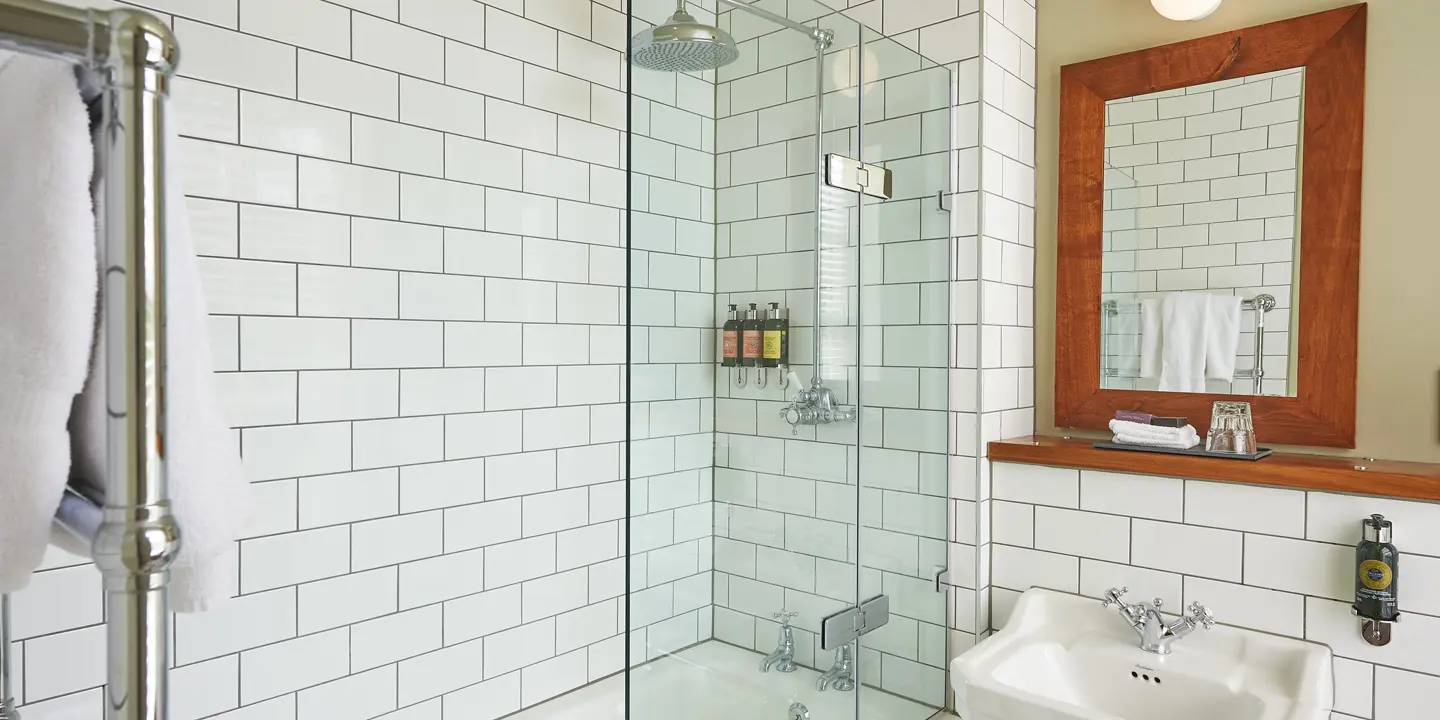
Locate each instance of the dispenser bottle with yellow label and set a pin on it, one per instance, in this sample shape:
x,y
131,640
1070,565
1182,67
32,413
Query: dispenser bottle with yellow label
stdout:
x,y
1377,571
775,340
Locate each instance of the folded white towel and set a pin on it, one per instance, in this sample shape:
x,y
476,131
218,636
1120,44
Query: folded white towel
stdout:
x,y
1222,336
1133,433
48,257
47,297
1184,321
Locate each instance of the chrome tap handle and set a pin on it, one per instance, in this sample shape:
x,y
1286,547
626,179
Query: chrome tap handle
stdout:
x,y
1156,603
1112,597
1202,615
784,617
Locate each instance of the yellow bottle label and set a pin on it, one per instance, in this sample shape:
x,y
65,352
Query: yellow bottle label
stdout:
x,y
1375,574
772,344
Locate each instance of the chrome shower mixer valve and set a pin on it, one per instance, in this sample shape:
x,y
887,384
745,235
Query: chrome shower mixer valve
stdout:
x,y
814,406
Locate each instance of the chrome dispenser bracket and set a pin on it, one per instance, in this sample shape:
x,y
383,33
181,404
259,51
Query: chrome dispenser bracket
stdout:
x,y
1376,632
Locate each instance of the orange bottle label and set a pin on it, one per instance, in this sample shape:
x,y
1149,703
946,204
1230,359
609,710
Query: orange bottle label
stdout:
x,y
752,344
730,347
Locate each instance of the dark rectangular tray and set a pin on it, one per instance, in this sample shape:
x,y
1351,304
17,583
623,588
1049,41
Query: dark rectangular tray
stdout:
x,y
1198,450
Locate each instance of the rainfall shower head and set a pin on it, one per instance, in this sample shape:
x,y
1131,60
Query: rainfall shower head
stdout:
x,y
683,44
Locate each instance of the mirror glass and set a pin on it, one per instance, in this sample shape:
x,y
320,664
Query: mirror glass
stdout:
x,y
1201,237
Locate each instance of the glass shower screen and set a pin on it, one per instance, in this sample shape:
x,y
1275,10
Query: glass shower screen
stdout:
x,y
745,532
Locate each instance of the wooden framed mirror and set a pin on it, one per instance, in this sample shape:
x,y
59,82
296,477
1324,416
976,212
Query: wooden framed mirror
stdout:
x,y
1223,174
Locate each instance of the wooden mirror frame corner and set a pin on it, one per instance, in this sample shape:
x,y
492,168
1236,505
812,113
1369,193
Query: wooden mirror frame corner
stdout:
x,y
1331,47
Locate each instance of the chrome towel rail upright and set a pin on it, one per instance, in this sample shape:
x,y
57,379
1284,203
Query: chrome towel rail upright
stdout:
x,y
7,693
137,538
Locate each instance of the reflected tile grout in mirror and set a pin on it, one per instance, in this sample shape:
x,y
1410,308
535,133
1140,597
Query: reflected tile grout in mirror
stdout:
x,y
1201,195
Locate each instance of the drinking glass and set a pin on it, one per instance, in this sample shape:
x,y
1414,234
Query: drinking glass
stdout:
x,y
1232,430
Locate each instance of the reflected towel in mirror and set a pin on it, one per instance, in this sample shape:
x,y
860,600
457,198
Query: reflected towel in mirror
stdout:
x,y
1187,337
1222,336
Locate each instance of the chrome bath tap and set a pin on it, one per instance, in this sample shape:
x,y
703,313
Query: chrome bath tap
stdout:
x,y
841,675
1155,632
783,659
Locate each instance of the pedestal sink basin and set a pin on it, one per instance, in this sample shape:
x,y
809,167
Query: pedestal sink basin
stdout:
x,y
1064,657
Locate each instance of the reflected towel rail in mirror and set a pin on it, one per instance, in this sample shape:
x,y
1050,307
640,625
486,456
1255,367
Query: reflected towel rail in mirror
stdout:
x,y
1261,304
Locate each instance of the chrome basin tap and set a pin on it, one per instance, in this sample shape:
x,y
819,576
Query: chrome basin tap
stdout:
x,y
1156,633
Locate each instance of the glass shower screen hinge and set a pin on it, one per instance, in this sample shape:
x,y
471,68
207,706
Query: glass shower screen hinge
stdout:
x,y
845,626
849,174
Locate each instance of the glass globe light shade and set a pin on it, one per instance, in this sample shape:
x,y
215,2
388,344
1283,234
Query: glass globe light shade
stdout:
x,y
1185,9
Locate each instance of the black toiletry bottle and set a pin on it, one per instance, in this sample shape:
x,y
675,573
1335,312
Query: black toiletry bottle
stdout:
x,y
1377,576
751,331
774,351
730,339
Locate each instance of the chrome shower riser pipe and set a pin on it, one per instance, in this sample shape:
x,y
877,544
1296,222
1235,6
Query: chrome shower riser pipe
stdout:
x,y
819,201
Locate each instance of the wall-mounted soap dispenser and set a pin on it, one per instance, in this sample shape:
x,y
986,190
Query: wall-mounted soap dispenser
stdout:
x,y
776,350
1377,580
730,345
752,330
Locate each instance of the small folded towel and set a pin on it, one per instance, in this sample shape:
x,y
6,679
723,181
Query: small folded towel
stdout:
x,y
1132,433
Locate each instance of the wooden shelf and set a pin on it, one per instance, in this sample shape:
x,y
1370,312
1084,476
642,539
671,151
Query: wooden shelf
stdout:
x,y
1385,478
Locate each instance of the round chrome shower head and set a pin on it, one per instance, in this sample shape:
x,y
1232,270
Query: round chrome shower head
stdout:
x,y
683,44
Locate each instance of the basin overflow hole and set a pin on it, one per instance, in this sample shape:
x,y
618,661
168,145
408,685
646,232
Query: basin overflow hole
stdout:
x,y
1146,677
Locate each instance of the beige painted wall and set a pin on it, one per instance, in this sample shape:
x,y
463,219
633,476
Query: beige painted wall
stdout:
x,y
1399,384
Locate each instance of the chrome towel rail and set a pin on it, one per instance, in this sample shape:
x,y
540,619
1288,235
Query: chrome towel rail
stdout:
x,y
137,538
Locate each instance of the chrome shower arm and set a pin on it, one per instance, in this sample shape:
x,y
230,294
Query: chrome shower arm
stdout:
x,y
819,35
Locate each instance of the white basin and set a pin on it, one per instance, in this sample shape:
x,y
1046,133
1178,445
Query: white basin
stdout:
x,y
1064,657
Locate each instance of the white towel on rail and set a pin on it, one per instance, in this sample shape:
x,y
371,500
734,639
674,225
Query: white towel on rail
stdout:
x,y
47,297
208,491
1151,339
1222,336
1184,322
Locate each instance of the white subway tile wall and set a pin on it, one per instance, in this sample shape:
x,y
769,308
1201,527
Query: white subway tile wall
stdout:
x,y
1272,559
400,203
1201,188
410,213
992,293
